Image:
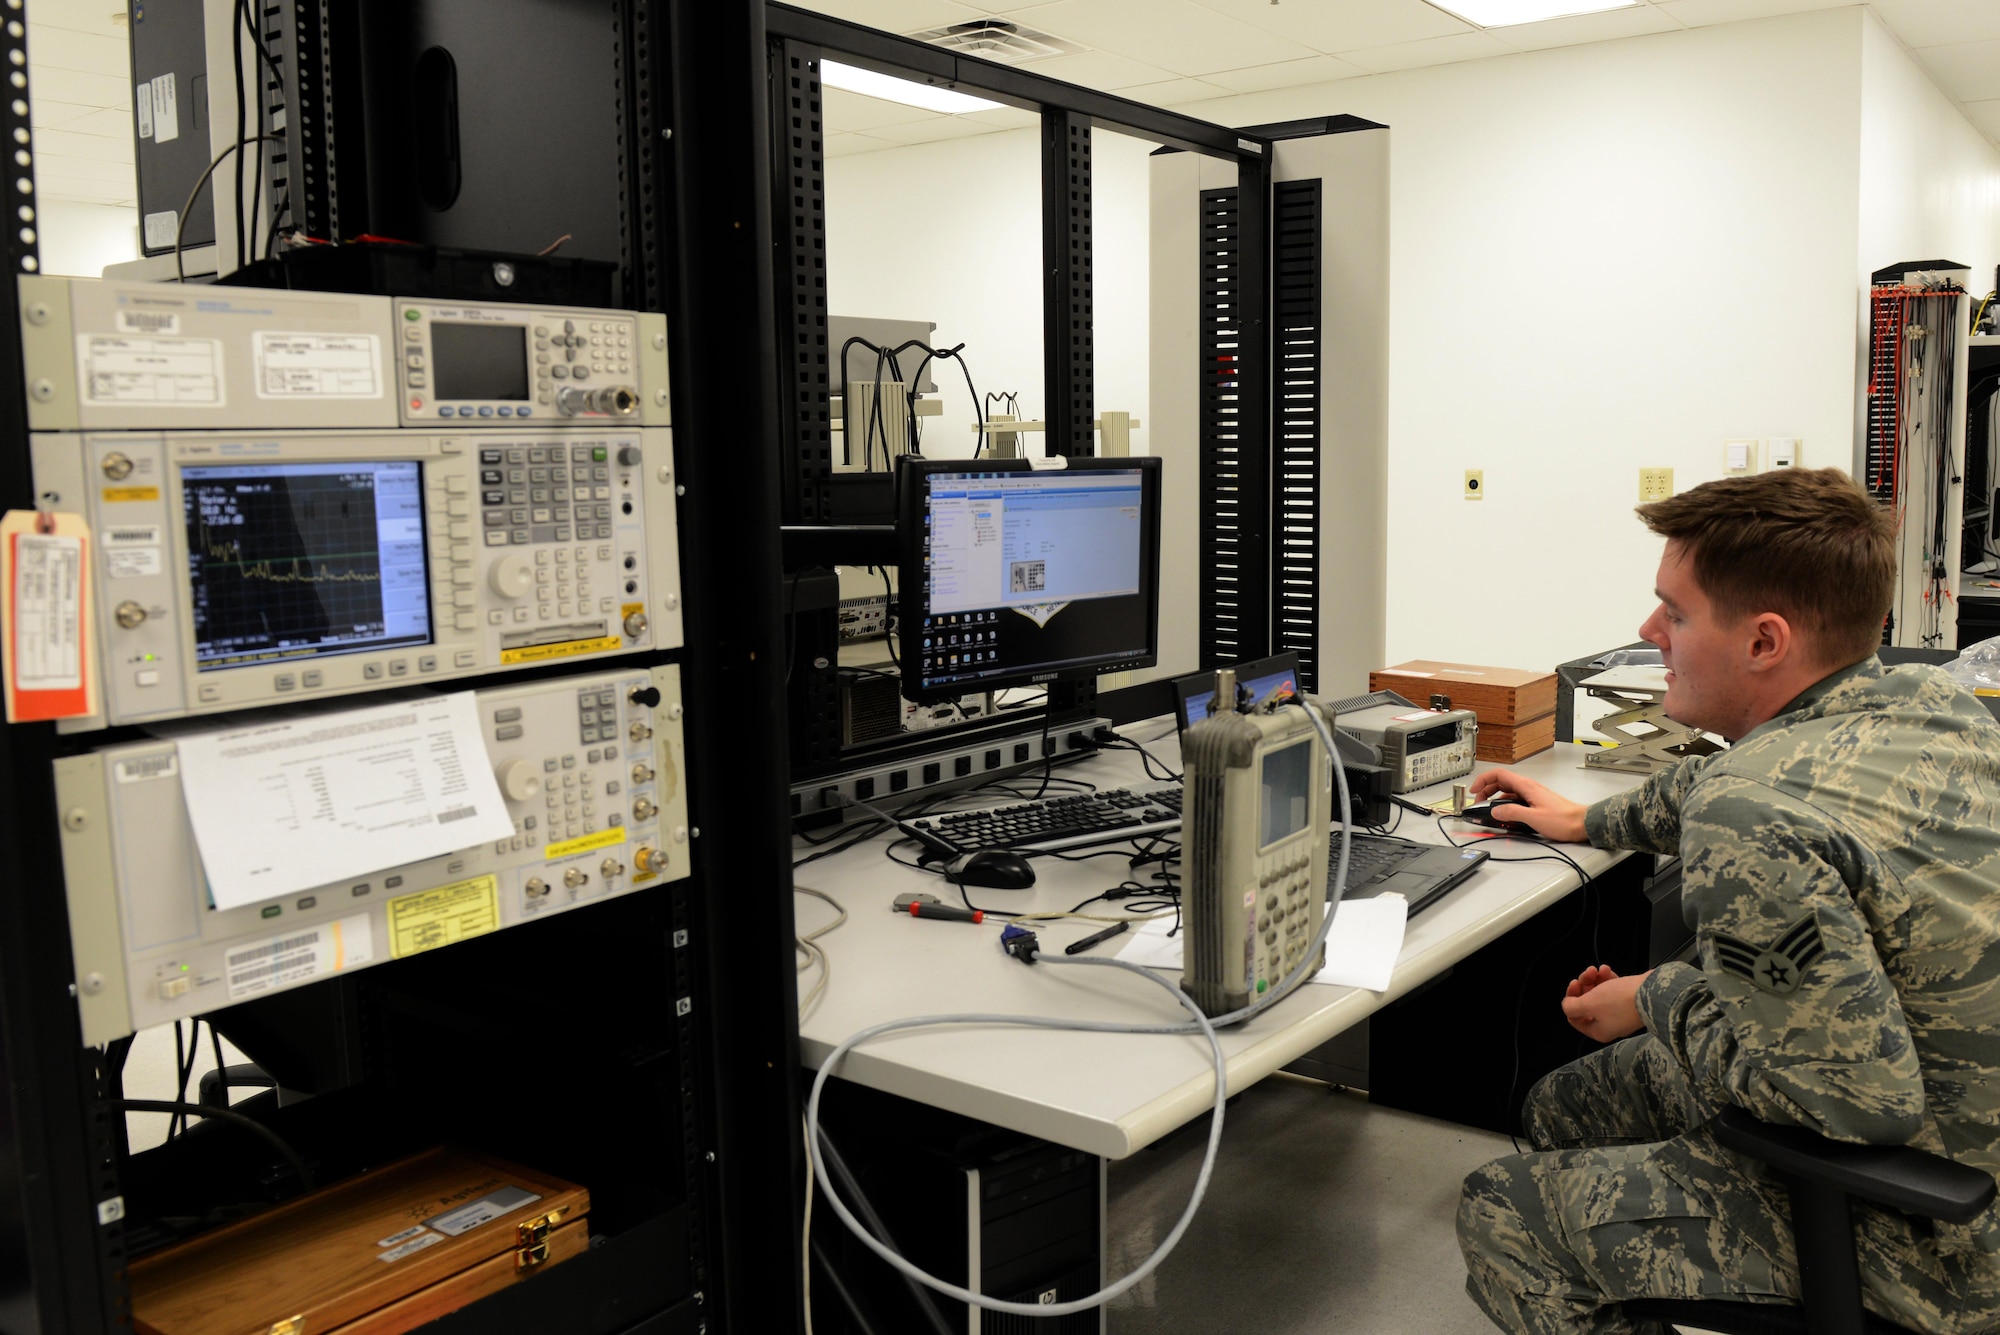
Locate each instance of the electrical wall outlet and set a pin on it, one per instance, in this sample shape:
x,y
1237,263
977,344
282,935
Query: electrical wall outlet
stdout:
x,y
1655,484
1475,483
1739,457
1783,451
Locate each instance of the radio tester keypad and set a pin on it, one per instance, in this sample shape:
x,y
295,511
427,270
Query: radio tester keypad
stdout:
x,y
581,351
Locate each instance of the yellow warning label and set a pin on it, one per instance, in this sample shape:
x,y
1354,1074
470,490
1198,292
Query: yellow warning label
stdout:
x,y
456,912
586,842
131,493
627,609
541,653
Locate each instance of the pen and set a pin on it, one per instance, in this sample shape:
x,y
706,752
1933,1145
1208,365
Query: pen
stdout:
x,y
946,912
1078,947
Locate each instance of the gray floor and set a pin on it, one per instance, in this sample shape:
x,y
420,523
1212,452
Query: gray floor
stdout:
x,y
1324,1215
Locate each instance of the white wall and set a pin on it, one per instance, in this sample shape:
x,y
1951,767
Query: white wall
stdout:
x,y
1929,188
951,232
79,239
1603,258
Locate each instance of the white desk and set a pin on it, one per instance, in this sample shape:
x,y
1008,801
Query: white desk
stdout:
x,y
1110,1094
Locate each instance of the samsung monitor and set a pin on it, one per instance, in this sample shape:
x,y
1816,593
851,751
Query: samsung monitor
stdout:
x,y
1017,572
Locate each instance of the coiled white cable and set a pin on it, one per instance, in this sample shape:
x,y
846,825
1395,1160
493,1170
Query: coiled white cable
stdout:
x,y
1201,1024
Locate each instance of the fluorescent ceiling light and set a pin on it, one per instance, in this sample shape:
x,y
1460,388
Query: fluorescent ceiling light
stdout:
x,y
1506,13
907,91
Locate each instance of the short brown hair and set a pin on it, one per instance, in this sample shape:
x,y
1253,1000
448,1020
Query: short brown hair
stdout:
x,y
1807,544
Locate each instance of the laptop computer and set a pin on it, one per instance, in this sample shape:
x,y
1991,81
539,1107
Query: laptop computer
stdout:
x,y
1420,873
1258,681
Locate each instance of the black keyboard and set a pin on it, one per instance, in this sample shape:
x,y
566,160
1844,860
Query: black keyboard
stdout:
x,y
1054,824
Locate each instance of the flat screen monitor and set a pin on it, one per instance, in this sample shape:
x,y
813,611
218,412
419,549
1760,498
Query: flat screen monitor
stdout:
x,y
1258,680
1015,573
294,560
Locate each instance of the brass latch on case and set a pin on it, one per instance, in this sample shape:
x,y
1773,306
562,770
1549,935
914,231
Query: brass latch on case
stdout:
x,y
533,1237
291,1325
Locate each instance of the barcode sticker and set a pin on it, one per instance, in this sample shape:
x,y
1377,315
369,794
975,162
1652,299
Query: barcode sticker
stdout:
x,y
284,961
142,106
451,814
141,769
162,229
148,322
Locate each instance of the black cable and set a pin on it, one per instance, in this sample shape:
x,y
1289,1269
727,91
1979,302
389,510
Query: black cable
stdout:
x,y
180,1063
250,1124
180,228
221,1066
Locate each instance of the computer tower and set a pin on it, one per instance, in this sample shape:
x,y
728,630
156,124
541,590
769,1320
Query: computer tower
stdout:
x,y
1018,1218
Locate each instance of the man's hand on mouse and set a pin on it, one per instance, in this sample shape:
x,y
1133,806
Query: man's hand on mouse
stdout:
x,y
1601,1004
1547,813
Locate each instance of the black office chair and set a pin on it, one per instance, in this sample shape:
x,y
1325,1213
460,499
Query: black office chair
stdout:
x,y
1824,1177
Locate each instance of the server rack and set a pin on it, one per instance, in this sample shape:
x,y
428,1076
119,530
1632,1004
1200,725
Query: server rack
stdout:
x,y
670,1091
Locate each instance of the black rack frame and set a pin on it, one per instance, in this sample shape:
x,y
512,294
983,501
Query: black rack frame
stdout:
x,y
814,494
696,166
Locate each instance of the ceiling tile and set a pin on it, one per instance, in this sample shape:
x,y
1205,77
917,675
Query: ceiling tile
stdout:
x,y
1430,51
843,110
115,121
1173,93
1006,118
1578,29
1343,25
899,16
938,127
1706,13
61,115
62,167
91,90
1177,35
847,145
81,15
69,144
1286,74
1969,71
1984,115
1923,23
87,192
1098,69
68,49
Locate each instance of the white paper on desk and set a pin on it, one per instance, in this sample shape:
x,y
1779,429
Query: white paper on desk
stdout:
x,y
281,806
1367,937
1151,946
1361,948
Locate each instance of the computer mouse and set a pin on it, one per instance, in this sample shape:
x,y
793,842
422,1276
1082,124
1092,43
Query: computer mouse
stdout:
x,y
995,869
1482,814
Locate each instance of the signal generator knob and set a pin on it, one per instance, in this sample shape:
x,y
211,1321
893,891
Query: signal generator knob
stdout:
x,y
512,577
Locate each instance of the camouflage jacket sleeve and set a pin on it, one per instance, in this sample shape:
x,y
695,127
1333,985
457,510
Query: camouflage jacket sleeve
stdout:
x,y
1648,818
1791,1015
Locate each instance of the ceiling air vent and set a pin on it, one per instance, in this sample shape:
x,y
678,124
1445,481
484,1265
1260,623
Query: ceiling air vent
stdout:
x,y
1000,41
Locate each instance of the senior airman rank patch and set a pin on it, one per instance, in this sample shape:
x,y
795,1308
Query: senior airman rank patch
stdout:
x,y
1777,968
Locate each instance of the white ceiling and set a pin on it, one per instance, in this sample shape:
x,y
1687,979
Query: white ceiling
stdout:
x,y
1176,52
1166,52
80,100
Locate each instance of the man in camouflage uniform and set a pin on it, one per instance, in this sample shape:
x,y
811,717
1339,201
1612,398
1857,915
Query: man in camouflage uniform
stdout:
x,y
1841,867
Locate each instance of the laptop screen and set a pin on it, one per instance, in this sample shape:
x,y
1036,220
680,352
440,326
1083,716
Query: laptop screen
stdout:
x,y
1262,679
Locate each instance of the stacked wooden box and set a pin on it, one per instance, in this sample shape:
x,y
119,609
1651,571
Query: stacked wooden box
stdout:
x,y
1516,708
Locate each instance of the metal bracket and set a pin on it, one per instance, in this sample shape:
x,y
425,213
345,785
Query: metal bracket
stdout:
x,y
1643,739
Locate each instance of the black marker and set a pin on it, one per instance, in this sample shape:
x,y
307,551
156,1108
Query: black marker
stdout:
x,y
1078,947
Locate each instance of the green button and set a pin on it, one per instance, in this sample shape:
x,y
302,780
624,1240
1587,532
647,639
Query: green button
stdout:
x,y
413,314
599,455
273,910
1260,985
